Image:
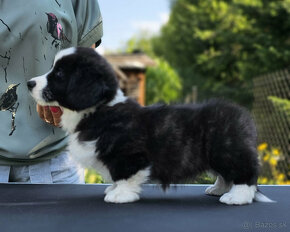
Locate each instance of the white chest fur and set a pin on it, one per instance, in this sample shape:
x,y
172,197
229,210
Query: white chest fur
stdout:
x,y
86,154
70,119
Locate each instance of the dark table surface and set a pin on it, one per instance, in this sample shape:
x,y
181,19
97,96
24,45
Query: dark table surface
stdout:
x,y
71,208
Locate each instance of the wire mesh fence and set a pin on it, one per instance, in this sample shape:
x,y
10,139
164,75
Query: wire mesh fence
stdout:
x,y
271,110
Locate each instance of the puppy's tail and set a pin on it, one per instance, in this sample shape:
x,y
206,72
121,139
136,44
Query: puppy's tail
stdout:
x,y
260,197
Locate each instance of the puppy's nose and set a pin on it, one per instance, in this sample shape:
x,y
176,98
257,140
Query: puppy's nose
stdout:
x,y
31,85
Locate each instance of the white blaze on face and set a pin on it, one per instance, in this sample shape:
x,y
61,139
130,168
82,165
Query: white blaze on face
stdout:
x,y
64,53
41,81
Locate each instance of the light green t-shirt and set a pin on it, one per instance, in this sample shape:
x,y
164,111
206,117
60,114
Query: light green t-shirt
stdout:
x,y
31,33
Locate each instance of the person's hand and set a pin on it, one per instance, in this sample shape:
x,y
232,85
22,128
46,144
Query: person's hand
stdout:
x,y
50,114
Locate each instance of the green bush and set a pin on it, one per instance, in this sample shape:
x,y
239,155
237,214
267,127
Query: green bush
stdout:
x,y
92,177
162,83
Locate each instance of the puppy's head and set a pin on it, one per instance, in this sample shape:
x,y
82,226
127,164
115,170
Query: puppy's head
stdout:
x,y
80,78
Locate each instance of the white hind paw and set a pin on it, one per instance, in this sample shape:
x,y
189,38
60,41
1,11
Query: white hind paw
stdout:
x,y
239,195
231,199
215,191
219,188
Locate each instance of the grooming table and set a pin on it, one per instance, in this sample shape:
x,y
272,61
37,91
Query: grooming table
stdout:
x,y
41,208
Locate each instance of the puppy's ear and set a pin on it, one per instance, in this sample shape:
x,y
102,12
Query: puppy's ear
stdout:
x,y
83,93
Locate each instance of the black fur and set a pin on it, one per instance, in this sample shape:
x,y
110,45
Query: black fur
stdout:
x,y
176,142
80,81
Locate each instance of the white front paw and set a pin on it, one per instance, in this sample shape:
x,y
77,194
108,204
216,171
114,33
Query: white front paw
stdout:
x,y
110,188
117,196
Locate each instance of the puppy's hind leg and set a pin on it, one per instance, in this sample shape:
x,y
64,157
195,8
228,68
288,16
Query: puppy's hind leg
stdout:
x,y
219,188
239,194
128,190
244,186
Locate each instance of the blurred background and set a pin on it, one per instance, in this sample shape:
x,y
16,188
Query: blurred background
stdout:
x,y
186,51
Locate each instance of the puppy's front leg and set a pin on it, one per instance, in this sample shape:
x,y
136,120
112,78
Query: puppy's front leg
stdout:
x,y
110,188
125,191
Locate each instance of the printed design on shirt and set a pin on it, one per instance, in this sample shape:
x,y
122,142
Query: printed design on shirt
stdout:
x,y
5,63
57,3
55,29
8,28
8,102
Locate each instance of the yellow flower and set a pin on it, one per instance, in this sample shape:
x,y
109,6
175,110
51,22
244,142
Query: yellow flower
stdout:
x,y
284,182
273,162
92,178
263,180
276,152
262,146
266,157
281,177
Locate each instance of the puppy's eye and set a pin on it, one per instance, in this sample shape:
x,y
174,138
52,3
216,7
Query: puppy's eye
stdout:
x,y
59,74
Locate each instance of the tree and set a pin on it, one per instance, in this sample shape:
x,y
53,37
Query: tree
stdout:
x,y
162,83
141,42
220,45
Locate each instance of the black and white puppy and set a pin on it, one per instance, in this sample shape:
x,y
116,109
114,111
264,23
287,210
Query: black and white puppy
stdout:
x,y
129,144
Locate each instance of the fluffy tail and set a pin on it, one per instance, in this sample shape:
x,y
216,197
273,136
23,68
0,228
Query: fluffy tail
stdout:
x,y
260,197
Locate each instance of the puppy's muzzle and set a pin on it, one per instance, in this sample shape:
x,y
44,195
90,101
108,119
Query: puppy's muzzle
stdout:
x,y
31,85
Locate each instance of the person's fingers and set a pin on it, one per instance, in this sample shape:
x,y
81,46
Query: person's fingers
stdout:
x,y
39,110
56,114
51,115
48,115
